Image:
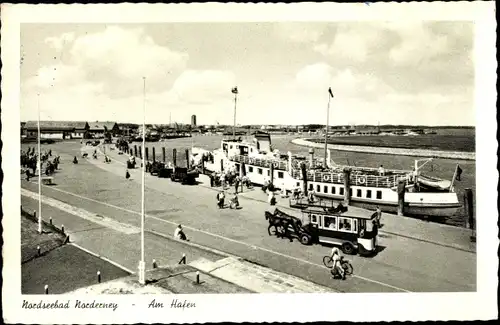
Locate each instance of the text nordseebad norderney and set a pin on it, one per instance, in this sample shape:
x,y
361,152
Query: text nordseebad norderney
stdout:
x,y
78,304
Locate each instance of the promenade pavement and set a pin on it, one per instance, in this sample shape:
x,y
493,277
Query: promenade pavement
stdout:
x,y
403,264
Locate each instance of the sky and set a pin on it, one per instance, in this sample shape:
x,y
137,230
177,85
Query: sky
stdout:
x,y
414,73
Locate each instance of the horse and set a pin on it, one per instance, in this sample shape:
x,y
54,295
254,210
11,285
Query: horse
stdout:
x,y
280,225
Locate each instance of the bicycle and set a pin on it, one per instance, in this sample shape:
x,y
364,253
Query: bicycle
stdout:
x,y
346,265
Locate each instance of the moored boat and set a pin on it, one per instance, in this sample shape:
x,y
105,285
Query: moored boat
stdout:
x,y
368,187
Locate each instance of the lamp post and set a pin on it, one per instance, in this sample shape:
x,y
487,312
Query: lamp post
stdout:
x,y
142,263
39,163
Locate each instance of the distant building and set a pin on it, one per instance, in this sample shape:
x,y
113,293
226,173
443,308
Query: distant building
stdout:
x,y
193,120
99,129
56,129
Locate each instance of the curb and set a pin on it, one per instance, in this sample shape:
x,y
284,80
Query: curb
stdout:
x,y
188,243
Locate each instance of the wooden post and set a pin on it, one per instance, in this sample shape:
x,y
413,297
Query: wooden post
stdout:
x,y
304,177
154,155
401,196
347,186
469,212
46,289
272,173
135,150
154,264
174,157
140,152
98,276
187,158
221,166
164,155
147,154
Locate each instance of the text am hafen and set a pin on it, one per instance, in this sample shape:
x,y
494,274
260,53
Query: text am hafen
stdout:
x,y
174,304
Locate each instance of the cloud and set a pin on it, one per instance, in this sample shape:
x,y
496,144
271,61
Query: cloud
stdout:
x,y
203,86
299,32
58,42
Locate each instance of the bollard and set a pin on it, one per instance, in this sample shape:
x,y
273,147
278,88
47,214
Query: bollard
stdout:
x,y
140,152
174,157
198,277
154,264
187,158
154,154
401,197
304,177
46,289
98,276
135,150
38,250
62,228
183,259
469,213
347,186
164,156
147,154
50,221
34,214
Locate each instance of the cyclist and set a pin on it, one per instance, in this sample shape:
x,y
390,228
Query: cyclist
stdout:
x,y
335,256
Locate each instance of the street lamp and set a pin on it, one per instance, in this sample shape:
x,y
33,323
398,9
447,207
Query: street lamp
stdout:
x,y
39,163
142,263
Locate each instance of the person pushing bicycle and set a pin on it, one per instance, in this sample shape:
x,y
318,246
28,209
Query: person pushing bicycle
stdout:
x,y
335,256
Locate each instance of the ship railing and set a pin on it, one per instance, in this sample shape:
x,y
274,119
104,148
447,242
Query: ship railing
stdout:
x,y
265,163
354,179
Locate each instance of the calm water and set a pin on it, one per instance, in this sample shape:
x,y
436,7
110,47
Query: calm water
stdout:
x,y
443,168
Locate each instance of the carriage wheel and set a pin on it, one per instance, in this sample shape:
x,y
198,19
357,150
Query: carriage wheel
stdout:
x,y
305,239
347,248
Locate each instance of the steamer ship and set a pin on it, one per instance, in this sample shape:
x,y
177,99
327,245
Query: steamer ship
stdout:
x,y
368,188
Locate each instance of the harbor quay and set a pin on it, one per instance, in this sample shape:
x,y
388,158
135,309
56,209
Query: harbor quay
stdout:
x,y
413,256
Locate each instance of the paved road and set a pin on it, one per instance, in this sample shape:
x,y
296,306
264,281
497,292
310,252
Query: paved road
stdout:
x,y
403,265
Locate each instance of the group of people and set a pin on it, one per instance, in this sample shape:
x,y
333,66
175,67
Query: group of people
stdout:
x,y
234,202
230,178
29,160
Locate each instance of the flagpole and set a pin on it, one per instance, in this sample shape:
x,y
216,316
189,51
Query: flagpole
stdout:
x,y
142,263
326,129
39,171
235,99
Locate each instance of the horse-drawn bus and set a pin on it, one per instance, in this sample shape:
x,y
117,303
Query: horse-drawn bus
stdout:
x,y
353,229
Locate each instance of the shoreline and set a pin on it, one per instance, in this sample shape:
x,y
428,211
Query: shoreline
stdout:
x,y
389,151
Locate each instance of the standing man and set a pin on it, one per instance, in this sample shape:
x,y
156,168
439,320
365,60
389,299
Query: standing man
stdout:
x,y
379,217
236,184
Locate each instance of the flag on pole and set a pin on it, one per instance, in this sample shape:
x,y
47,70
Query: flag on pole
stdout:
x,y
330,91
234,90
459,173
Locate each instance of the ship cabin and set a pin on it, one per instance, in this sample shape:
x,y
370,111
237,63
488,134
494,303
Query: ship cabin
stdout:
x,y
258,146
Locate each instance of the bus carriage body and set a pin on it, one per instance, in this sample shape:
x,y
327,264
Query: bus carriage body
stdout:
x,y
353,230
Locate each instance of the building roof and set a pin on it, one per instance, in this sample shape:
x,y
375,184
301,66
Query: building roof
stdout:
x,y
98,126
56,125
